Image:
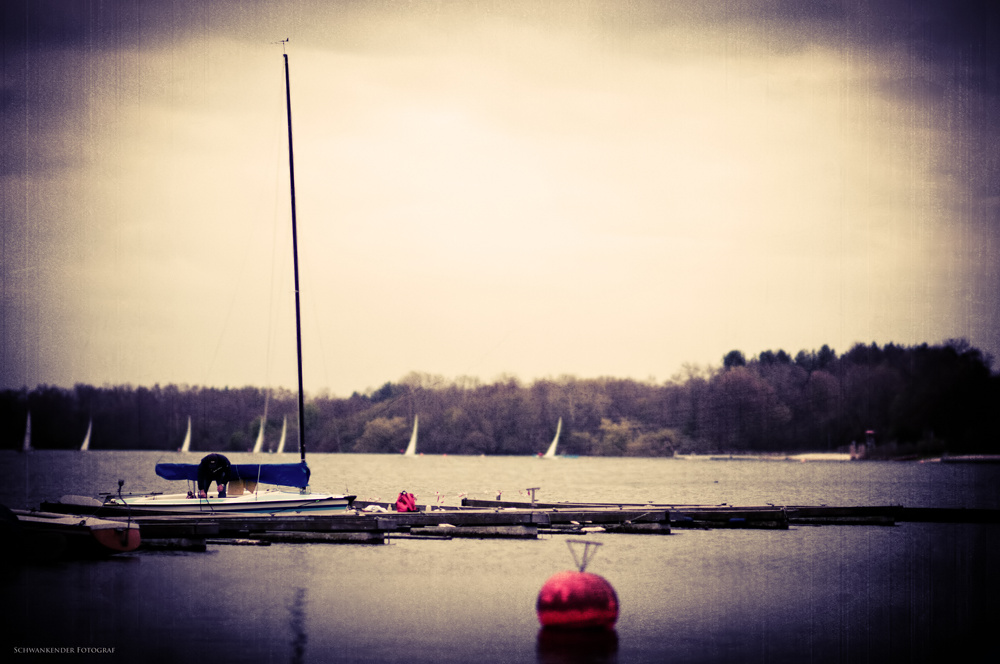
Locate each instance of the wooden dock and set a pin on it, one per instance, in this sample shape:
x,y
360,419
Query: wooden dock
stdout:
x,y
710,516
374,523
701,516
362,527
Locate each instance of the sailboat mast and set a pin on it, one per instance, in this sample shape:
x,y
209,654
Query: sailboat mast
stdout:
x,y
295,263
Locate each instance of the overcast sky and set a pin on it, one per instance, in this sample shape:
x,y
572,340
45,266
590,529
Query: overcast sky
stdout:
x,y
525,188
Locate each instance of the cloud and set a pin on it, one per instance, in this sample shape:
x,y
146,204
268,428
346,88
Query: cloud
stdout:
x,y
531,188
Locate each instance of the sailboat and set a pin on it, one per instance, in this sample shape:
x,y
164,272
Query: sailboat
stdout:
x,y
186,445
284,432
260,438
411,448
243,495
259,445
86,439
26,445
551,452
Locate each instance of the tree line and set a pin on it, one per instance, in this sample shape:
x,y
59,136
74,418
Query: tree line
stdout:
x,y
919,401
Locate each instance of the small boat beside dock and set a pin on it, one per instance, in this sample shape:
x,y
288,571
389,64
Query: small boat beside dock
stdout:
x,y
37,536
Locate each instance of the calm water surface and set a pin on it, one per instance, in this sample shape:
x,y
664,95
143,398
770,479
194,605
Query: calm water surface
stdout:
x,y
914,592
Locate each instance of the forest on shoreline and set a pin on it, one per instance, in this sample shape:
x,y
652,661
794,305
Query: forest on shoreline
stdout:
x,y
919,401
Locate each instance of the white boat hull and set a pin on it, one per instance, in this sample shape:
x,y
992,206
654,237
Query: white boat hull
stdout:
x,y
263,502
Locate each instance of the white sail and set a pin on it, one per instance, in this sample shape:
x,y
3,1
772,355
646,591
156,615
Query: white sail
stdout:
x,y
284,430
551,452
411,449
26,447
186,446
86,439
260,438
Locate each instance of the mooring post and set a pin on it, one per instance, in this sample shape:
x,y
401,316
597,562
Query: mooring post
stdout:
x,y
532,491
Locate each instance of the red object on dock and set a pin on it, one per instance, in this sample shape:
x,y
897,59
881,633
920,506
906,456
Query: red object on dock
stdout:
x,y
406,502
577,600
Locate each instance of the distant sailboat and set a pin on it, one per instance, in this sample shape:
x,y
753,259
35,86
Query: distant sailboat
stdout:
x,y
26,446
86,439
411,449
186,446
551,452
260,438
259,445
284,430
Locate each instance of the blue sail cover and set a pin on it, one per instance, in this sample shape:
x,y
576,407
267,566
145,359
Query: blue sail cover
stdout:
x,y
282,474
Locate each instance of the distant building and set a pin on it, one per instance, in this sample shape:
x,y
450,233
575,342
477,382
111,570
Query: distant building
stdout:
x,y
861,451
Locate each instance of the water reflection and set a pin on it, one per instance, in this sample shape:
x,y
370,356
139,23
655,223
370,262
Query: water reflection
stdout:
x,y
296,623
581,646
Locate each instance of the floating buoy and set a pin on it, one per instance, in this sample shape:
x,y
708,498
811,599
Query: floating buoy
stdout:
x,y
577,600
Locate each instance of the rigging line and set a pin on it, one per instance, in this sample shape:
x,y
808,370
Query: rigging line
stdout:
x,y
240,278
314,316
272,306
478,361
313,501
278,221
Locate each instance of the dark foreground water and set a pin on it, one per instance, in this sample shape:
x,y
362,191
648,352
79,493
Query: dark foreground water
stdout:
x,y
910,593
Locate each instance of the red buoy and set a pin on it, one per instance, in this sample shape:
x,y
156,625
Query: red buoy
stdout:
x,y
577,600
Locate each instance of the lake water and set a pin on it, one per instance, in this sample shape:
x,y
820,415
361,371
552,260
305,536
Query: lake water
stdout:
x,y
909,593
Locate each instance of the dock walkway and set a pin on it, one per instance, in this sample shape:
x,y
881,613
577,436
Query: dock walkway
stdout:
x,y
374,523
